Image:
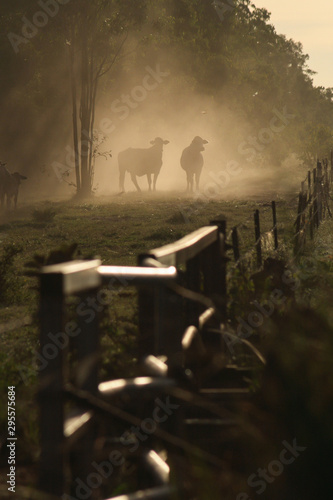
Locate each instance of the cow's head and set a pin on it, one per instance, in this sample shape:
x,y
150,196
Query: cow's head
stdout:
x,y
159,142
198,142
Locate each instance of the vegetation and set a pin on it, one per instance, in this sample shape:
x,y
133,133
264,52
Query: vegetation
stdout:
x,y
9,280
45,215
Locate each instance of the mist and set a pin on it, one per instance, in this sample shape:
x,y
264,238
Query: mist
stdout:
x,y
178,115
155,97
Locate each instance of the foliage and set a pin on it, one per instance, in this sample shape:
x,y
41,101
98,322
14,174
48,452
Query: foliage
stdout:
x,y
317,139
64,253
45,215
9,280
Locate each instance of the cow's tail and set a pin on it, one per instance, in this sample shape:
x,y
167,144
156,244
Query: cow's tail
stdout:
x,y
122,172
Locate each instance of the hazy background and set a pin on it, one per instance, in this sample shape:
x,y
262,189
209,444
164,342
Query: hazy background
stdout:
x,y
226,77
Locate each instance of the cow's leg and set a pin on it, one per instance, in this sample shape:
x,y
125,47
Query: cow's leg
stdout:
x,y
188,180
15,200
155,180
191,182
122,172
8,202
197,179
149,181
133,177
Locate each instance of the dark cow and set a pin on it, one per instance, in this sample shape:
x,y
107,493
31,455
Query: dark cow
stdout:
x,y
9,185
192,161
139,162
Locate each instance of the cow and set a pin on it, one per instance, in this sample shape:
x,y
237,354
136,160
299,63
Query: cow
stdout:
x,y
192,161
9,185
139,162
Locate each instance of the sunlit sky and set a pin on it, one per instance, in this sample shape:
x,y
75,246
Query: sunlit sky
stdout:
x,y
310,23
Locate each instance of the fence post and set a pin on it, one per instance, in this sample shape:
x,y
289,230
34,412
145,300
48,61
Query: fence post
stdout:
x,y
170,317
51,474
235,244
309,184
311,222
326,174
161,319
304,204
214,268
87,379
298,223
276,243
257,237
193,282
88,349
147,298
316,214
319,191
326,189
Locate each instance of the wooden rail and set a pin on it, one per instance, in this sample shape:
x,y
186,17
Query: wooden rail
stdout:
x,y
163,312
190,291
186,248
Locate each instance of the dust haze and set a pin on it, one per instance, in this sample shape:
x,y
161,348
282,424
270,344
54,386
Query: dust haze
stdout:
x,y
32,143
175,112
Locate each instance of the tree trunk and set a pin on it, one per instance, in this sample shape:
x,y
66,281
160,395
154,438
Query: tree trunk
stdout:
x,y
85,115
74,104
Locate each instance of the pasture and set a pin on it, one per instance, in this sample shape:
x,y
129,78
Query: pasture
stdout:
x,y
116,230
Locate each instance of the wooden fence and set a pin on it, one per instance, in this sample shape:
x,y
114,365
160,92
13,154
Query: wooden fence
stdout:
x,y
313,203
266,241
182,298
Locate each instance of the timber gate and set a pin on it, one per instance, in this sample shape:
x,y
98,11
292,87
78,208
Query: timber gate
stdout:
x,y
90,430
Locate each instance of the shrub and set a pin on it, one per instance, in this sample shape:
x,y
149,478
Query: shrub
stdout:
x,y
9,279
45,216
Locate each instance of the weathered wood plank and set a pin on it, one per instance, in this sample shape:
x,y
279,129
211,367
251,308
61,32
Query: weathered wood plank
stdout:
x,y
71,277
186,248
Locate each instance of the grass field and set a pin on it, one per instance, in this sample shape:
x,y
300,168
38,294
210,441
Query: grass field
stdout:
x,y
116,230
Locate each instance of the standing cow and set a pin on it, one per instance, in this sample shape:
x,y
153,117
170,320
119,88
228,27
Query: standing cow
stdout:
x,y
9,185
139,162
192,161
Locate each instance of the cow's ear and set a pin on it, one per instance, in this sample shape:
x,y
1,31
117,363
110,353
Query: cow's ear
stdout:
x,y
23,177
205,142
166,142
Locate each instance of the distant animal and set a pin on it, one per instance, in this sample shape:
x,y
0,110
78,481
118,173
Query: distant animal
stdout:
x,y
139,162
9,185
192,161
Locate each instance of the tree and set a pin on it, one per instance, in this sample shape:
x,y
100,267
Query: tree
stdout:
x,y
96,32
317,143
